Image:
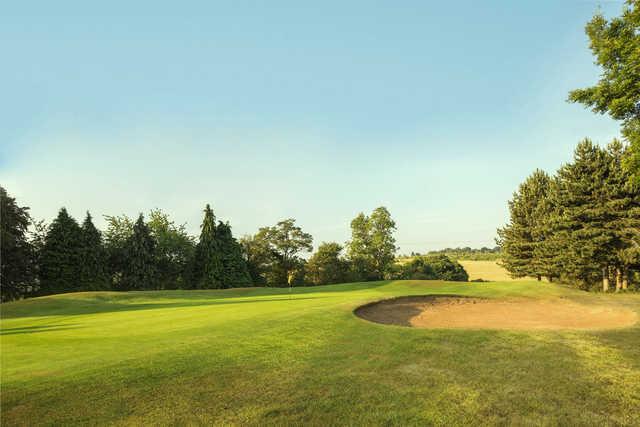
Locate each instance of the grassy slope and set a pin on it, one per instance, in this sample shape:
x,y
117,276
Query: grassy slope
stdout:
x,y
253,356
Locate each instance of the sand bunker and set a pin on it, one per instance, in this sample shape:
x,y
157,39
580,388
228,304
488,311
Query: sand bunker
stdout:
x,y
478,313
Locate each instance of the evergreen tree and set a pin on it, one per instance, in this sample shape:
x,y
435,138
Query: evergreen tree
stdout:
x,y
140,270
61,258
622,203
525,231
16,266
207,268
234,267
585,224
93,269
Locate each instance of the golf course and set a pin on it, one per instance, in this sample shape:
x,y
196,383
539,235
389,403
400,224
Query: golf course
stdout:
x,y
256,356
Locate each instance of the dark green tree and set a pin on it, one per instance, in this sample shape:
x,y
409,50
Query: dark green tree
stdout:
x,y
622,204
140,270
119,231
174,250
585,224
93,268
615,44
258,256
61,258
432,267
16,255
525,230
327,265
234,267
207,266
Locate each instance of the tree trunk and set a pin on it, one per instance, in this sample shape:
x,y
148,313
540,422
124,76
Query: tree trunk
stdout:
x,y
539,277
550,279
625,279
605,280
618,279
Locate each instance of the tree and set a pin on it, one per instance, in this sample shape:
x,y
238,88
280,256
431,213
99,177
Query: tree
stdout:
x,y
234,267
207,268
585,225
119,231
140,270
258,256
622,203
285,241
432,267
525,231
16,262
372,247
273,253
61,257
616,47
174,250
327,266
93,268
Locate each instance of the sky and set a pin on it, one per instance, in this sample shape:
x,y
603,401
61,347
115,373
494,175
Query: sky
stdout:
x,y
310,110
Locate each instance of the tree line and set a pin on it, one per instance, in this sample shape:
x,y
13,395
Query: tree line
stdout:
x,y
152,252
581,226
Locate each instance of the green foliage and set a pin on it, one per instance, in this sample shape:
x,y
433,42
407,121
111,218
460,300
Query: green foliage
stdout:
x,y
431,267
174,251
140,270
207,268
62,256
273,254
372,248
468,254
119,231
582,225
519,238
234,267
615,44
16,254
93,269
327,266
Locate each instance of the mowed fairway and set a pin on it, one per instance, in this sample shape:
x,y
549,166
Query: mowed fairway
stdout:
x,y
257,356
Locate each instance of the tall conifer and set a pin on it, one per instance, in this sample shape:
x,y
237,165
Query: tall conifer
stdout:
x,y
207,268
140,270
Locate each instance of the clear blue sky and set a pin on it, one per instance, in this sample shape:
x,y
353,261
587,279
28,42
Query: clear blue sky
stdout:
x,y
311,110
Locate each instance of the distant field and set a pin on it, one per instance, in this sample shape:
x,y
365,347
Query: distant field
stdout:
x,y
260,357
487,270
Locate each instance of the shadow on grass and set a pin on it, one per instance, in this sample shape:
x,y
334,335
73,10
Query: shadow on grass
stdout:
x,y
74,307
35,329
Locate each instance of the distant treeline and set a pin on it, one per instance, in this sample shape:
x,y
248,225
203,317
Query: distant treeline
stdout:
x,y
467,253
155,253
581,226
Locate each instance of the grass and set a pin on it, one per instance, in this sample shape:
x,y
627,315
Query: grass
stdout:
x,y
255,356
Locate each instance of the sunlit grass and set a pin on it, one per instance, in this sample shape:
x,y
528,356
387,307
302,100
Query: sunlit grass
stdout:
x,y
260,356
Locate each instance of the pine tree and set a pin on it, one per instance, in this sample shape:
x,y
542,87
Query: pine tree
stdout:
x,y
16,266
589,252
93,269
525,231
61,256
234,267
623,205
140,270
207,268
